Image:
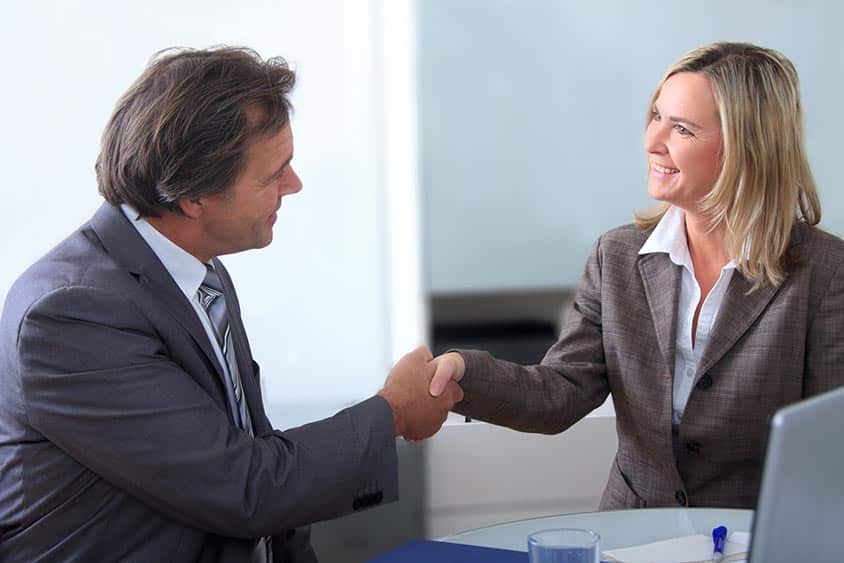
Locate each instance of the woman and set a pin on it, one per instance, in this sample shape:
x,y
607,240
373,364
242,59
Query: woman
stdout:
x,y
708,314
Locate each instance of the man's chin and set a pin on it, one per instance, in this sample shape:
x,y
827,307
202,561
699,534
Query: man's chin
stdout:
x,y
267,240
254,244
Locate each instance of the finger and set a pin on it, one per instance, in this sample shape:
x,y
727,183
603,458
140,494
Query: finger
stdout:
x,y
454,393
457,393
428,369
442,376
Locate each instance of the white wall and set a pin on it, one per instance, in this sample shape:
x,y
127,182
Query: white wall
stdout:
x,y
323,340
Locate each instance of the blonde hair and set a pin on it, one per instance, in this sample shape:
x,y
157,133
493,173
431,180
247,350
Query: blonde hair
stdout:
x,y
765,184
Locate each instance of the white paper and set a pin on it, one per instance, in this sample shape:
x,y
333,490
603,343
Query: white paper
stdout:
x,y
686,549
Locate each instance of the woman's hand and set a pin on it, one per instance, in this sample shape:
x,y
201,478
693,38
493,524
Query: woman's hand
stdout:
x,y
450,367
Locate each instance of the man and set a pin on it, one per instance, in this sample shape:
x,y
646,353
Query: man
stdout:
x,y
131,421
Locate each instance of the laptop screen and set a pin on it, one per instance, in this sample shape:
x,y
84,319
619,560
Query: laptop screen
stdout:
x,y
800,514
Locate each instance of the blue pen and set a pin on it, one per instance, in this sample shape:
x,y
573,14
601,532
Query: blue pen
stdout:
x,y
719,536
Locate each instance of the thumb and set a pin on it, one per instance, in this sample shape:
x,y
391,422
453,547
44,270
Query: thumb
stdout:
x,y
444,373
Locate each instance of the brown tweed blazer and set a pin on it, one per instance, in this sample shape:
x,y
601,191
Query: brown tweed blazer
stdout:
x,y
768,348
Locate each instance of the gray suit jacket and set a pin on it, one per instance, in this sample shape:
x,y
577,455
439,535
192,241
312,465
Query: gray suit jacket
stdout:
x,y
767,349
116,443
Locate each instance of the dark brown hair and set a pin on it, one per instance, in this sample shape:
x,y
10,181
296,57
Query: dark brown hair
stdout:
x,y
182,129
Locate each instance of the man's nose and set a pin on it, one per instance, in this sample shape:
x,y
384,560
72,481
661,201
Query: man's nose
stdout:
x,y
292,183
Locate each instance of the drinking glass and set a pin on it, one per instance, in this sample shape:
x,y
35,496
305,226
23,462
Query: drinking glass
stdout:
x,y
564,545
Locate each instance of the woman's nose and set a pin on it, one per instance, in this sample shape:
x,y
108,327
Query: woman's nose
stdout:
x,y
655,138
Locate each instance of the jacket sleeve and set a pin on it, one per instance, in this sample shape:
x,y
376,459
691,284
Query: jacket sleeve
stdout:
x,y
99,383
568,384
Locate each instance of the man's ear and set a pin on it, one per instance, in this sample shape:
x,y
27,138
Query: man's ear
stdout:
x,y
192,208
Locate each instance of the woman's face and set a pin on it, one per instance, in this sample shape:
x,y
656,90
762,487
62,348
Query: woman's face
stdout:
x,y
683,141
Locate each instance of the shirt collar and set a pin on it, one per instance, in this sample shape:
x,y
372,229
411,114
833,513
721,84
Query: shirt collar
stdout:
x,y
669,237
184,268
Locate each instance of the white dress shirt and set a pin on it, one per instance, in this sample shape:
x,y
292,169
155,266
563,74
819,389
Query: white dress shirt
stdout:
x,y
669,237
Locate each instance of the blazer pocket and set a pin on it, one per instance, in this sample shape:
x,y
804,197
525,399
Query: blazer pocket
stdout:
x,y
619,494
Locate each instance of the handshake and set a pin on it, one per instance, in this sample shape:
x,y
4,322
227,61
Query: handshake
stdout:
x,y
421,390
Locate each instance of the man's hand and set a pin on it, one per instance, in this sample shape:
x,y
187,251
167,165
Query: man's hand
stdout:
x,y
416,413
450,370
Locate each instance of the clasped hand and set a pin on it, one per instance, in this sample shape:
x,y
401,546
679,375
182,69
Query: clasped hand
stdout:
x,y
421,390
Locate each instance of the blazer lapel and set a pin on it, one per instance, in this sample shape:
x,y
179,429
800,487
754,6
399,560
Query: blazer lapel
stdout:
x,y
661,278
738,311
129,249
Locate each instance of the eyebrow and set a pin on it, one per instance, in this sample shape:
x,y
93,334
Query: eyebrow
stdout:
x,y
675,119
280,170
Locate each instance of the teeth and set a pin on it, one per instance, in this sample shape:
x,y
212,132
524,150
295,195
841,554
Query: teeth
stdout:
x,y
663,170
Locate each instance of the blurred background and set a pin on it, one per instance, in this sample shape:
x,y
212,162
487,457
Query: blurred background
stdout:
x,y
459,158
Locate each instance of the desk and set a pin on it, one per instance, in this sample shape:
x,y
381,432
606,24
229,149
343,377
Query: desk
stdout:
x,y
619,528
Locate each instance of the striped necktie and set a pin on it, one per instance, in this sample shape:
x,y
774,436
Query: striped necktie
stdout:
x,y
213,300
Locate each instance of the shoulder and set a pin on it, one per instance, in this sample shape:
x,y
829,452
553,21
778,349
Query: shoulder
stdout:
x,y
822,251
815,265
67,327
77,266
625,236
817,241
620,244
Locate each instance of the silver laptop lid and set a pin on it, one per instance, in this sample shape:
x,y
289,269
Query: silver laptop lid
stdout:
x,y
800,515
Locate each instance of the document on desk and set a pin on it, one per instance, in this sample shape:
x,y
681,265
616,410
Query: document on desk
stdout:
x,y
686,549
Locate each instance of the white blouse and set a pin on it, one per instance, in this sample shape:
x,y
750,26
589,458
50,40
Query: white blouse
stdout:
x,y
669,237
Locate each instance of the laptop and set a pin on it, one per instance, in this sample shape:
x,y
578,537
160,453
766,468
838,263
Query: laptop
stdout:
x,y
800,514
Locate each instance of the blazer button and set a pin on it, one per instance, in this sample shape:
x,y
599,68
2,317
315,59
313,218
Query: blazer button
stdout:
x,y
705,382
680,497
693,447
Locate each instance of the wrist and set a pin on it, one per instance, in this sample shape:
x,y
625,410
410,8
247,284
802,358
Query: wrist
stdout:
x,y
398,418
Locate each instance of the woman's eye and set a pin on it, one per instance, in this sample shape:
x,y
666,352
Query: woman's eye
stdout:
x,y
683,131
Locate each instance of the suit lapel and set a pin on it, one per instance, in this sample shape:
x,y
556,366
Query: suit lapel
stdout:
x,y
129,249
122,241
661,279
738,311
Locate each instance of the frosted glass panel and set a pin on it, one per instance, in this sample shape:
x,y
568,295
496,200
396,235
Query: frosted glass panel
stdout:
x,y
532,115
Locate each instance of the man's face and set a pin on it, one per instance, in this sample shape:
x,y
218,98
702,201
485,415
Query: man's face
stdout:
x,y
242,218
